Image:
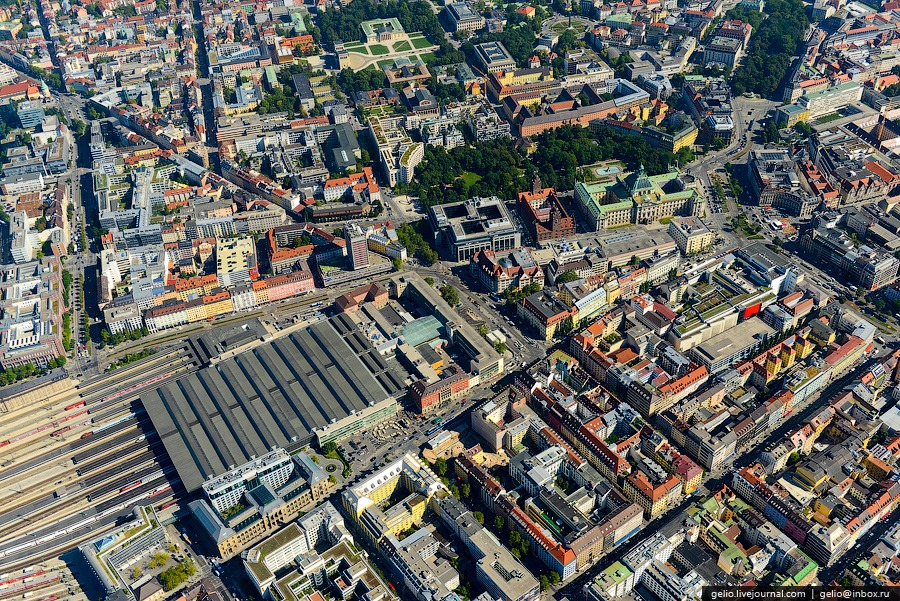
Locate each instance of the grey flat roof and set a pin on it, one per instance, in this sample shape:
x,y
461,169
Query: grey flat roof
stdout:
x,y
273,395
734,339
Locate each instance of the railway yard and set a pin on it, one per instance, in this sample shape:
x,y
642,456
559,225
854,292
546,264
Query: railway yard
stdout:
x,y
76,464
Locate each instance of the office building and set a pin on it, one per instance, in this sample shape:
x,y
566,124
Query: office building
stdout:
x,y
463,18
393,499
257,498
775,179
324,524
464,228
864,265
357,246
30,114
709,101
637,198
725,349
31,313
690,234
493,57
236,261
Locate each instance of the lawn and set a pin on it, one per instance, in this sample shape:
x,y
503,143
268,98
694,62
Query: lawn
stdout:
x,y
427,56
827,118
357,49
379,49
387,62
470,178
402,46
421,42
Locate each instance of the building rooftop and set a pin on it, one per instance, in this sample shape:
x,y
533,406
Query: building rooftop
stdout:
x,y
276,394
735,339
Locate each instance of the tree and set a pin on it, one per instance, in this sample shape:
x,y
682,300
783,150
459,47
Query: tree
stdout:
x,y
397,263
554,577
515,539
449,294
770,132
430,280
544,582
568,325
176,575
566,276
804,129
79,127
466,490
329,448
499,523
794,458
440,466
126,11
479,517
773,44
410,237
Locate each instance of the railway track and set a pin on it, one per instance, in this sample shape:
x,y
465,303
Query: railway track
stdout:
x,y
102,459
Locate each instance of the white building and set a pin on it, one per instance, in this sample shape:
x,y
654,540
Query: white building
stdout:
x,y
225,491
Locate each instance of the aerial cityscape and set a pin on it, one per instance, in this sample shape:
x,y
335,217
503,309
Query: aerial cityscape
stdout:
x,y
449,300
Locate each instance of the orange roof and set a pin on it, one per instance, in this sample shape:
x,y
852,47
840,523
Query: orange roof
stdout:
x,y
880,171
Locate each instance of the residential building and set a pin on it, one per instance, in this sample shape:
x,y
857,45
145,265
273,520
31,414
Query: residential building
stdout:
x,y
544,314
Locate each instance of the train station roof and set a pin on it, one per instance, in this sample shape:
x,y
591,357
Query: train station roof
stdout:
x,y
273,395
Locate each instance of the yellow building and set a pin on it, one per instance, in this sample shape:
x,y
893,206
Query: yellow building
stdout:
x,y
878,470
393,499
196,311
217,304
790,115
690,234
821,333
